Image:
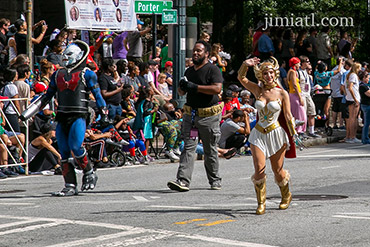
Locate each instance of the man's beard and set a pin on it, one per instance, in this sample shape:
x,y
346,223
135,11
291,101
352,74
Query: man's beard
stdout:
x,y
199,61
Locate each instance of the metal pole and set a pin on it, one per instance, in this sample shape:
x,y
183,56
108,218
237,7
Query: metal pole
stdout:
x,y
179,41
154,29
28,13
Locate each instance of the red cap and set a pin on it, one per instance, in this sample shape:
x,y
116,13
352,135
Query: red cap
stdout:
x,y
168,63
39,87
3,97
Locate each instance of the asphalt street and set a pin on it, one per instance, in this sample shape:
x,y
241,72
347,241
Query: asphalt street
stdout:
x,y
132,206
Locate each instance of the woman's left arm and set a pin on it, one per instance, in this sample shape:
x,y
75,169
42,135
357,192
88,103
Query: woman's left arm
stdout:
x,y
287,113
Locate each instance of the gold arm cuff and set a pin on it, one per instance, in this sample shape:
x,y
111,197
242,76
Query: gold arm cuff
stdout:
x,y
291,126
242,72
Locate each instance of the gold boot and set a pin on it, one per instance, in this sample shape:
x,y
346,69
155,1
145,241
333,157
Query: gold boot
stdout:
x,y
286,196
260,187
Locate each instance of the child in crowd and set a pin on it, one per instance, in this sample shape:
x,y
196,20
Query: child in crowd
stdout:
x,y
169,122
128,135
145,108
163,86
128,106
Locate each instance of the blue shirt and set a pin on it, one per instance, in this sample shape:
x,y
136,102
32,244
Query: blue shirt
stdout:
x,y
265,44
323,79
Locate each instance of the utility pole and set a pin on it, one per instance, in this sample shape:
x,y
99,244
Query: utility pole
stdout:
x,y
179,43
29,30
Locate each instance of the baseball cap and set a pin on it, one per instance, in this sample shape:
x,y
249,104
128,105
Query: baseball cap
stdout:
x,y
234,88
3,97
228,93
168,63
39,87
45,128
140,22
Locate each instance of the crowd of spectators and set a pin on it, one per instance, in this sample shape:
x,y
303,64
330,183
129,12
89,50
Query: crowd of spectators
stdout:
x,y
139,94
314,66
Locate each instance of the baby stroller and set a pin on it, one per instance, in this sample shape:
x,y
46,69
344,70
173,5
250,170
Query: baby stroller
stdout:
x,y
319,97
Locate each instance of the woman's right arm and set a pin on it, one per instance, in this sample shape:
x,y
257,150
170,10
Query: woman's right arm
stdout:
x,y
251,86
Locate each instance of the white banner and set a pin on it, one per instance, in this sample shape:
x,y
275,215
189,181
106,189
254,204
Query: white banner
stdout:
x,y
101,15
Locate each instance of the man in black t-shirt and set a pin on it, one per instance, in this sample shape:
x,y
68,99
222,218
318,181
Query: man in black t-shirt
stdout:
x,y
110,90
202,116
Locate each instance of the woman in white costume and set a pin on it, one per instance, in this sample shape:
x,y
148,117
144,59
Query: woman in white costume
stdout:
x,y
268,139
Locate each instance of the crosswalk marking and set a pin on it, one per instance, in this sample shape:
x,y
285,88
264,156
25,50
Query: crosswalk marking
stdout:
x,y
150,234
140,198
12,224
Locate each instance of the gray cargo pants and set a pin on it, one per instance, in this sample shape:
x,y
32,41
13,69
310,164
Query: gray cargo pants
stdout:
x,y
209,132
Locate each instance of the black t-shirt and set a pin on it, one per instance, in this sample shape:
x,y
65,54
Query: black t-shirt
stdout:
x,y
20,40
143,81
3,39
365,100
106,82
206,75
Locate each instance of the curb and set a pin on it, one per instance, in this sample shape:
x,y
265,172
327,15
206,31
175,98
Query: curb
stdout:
x,y
323,140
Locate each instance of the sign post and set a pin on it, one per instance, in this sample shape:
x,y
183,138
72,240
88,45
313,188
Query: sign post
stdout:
x,y
169,16
151,6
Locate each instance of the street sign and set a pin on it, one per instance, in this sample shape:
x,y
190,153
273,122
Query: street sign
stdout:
x,y
151,7
169,16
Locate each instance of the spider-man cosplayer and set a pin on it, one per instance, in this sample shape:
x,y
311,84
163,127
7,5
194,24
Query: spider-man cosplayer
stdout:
x,y
72,84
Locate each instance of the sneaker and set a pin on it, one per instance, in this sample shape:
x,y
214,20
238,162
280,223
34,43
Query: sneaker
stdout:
x,y
134,161
349,140
10,173
145,160
355,140
58,171
178,186
216,185
303,136
150,158
313,135
101,164
19,169
172,156
177,151
2,175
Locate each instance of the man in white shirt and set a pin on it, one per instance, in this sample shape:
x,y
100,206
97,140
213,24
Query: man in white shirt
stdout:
x,y
309,105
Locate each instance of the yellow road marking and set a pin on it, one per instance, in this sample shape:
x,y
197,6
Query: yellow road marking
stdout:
x,y
216,222
188,221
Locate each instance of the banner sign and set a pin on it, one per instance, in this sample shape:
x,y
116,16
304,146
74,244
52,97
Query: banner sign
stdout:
x,y
101,15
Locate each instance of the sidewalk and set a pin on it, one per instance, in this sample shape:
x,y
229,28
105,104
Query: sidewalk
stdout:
x,y
325,139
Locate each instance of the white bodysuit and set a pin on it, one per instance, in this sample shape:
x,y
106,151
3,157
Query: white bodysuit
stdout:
x,y
271,142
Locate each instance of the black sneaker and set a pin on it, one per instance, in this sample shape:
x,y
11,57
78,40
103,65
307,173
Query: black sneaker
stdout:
x,y
178,186
10,173
313,135
58,171
2,175
216,185
101,164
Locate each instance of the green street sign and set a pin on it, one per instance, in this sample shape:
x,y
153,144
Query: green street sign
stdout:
x,y
169,16
151,7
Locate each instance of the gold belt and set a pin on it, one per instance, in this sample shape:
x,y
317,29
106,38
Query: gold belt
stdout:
x,y
205,112
268,128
